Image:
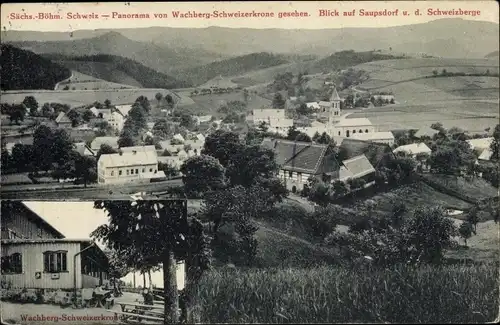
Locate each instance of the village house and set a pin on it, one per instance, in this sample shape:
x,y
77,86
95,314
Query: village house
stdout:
x,y
425,133
483,147
202,119
314,106
35,255
274,118
414,149
83,149
380,137
385,97
63,121
96,144
356,167
132,164
114,118
300,161
124,109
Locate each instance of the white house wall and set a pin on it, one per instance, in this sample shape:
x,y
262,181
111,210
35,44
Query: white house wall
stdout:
x,y
32,262
105,177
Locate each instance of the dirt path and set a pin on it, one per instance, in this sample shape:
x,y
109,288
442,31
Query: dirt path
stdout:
x,y
57,84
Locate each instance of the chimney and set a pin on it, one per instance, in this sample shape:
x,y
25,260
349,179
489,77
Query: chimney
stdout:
x,y
134,152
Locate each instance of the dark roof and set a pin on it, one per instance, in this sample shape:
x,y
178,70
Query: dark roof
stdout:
x,y
377,153
297,156
33,216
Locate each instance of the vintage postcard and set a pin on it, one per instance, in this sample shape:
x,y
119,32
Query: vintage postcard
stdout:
x,y
250,162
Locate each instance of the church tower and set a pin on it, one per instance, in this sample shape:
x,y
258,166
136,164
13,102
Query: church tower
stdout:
x,y
335,111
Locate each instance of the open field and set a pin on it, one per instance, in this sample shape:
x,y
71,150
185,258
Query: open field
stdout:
x,y
449,294
406,69
470,115
83,97
469,102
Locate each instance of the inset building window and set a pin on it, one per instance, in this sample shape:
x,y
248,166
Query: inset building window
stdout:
x,y
55,262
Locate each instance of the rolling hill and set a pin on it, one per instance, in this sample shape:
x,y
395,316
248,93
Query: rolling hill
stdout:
x,y
468,101
148,53
23,69
119,70
232,67
449,37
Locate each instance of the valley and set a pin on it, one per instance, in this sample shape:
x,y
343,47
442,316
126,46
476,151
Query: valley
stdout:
x,y
330,175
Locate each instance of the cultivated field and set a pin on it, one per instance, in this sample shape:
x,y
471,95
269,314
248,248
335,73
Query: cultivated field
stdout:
x,y
449,294
468,102
83,97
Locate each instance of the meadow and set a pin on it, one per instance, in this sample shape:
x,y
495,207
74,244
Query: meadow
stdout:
x,y
470,115
442,294
470,102
83,97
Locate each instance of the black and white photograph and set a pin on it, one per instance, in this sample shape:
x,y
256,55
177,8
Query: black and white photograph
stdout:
x,y
250,162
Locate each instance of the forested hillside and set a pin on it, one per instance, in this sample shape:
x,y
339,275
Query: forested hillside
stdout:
x,y
23,69
104,66
232,67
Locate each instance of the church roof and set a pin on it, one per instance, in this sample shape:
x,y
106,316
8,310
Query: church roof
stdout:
x,y
335,95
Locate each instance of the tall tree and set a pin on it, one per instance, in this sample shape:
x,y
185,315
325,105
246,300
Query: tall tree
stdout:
x,y
278,101
159,97
31,103
222,145
159,232
202,174
465,231
86,169
42,147
495,144
61,146
144,102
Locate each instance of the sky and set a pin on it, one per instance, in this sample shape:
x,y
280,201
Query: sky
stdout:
x,y
75,220
488,11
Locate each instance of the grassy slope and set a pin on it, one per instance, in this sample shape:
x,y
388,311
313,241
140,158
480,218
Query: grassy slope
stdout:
x,y
476,188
